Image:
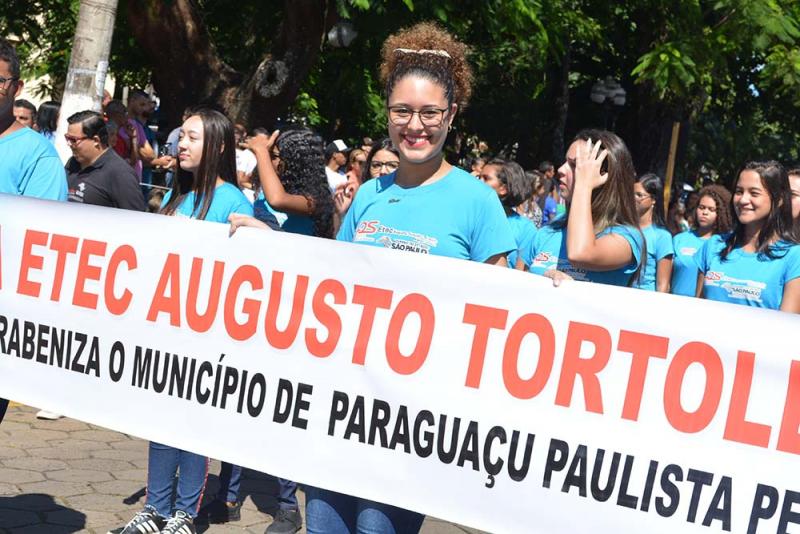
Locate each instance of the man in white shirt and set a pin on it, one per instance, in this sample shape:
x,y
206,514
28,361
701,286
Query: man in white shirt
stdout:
x,y
336,158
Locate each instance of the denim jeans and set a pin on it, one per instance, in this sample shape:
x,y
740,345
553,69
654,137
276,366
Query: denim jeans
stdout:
x,y
230,481
3,407
328,512
163,462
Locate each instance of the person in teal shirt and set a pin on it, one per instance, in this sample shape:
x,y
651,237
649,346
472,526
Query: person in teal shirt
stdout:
x,y
657,273
294,188
712,216
598,237
204,188
758,263
29,165
513,187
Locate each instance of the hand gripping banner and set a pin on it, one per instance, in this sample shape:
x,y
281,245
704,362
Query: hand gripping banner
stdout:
x,y
472,393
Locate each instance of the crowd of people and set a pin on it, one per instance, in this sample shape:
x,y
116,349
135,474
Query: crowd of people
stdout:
x,y
591,219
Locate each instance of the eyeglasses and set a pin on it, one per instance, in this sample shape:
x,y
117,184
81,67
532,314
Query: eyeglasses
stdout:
x,y
641,196
359,161
402,115
4,81
72,141
391,166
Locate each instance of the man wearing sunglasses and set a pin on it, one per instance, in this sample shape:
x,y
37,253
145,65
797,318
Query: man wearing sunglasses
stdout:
x,y
29,164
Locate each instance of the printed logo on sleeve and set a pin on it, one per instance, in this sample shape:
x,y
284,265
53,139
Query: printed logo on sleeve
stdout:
x,y
688,251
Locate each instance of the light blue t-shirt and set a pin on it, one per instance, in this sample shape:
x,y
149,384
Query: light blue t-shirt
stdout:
x,y
523,230
289,222
684,264
29,166
549,251
659,246
456,216
747,278
227,199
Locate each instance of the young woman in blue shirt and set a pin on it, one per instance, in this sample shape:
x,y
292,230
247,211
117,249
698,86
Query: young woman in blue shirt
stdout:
x,y
657,273
712,216
758,263
512,186
427,206
598,238
204,188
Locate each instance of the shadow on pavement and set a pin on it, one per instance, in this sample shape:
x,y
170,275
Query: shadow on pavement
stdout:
x,y
35,512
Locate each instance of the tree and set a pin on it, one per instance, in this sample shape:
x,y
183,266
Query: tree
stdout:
x,y
188,68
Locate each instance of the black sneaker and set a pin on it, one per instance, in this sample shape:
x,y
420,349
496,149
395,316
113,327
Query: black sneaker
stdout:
x,y
286,522
218,511
180,523
145,522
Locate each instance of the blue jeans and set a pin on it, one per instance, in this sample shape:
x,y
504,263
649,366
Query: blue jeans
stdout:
x,y
3,406
162,465
328,512
230,481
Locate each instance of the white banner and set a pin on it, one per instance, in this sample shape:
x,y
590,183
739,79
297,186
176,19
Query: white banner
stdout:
x,y
472,393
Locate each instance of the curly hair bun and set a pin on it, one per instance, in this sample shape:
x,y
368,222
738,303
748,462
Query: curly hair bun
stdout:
x,y
429,51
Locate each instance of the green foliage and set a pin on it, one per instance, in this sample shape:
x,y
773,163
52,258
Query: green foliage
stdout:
x,y
729,69
46,29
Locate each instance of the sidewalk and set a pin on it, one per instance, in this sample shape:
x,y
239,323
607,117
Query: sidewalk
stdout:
x,y
61,477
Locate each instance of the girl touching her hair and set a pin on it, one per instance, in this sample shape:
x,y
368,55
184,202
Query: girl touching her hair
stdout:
x,y
598,237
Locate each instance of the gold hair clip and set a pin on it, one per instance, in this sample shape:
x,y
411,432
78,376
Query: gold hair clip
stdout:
x,y
441,53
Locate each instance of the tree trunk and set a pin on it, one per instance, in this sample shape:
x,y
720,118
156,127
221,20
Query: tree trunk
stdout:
x,y
88,64
187,69
562,105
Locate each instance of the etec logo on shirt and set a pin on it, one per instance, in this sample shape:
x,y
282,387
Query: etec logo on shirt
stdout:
x,y
367,227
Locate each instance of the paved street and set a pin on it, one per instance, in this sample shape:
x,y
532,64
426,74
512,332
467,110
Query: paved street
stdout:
x,y
59,477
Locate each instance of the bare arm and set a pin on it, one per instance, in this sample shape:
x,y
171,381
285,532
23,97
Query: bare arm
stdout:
x,y
520,265
274,192
699,288
791,296
584,250
664,274
498,260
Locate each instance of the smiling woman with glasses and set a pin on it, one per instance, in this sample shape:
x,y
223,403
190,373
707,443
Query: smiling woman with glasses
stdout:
x,y
424,206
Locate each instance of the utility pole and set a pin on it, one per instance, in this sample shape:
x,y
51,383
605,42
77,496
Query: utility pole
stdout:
x,y
88,64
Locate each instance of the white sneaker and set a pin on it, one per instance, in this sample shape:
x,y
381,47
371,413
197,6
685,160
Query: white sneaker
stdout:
x,y
49,416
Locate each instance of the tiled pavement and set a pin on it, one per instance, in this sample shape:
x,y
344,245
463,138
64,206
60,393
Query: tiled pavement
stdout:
x,y
60,477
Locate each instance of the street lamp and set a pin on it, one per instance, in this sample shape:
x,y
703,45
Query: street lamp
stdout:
x,y
342,34
611,95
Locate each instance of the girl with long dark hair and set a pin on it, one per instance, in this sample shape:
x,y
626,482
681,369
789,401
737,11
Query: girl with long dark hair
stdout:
x,y
712,217
657,273
512,186
758,263
204,188
291,171
604,243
